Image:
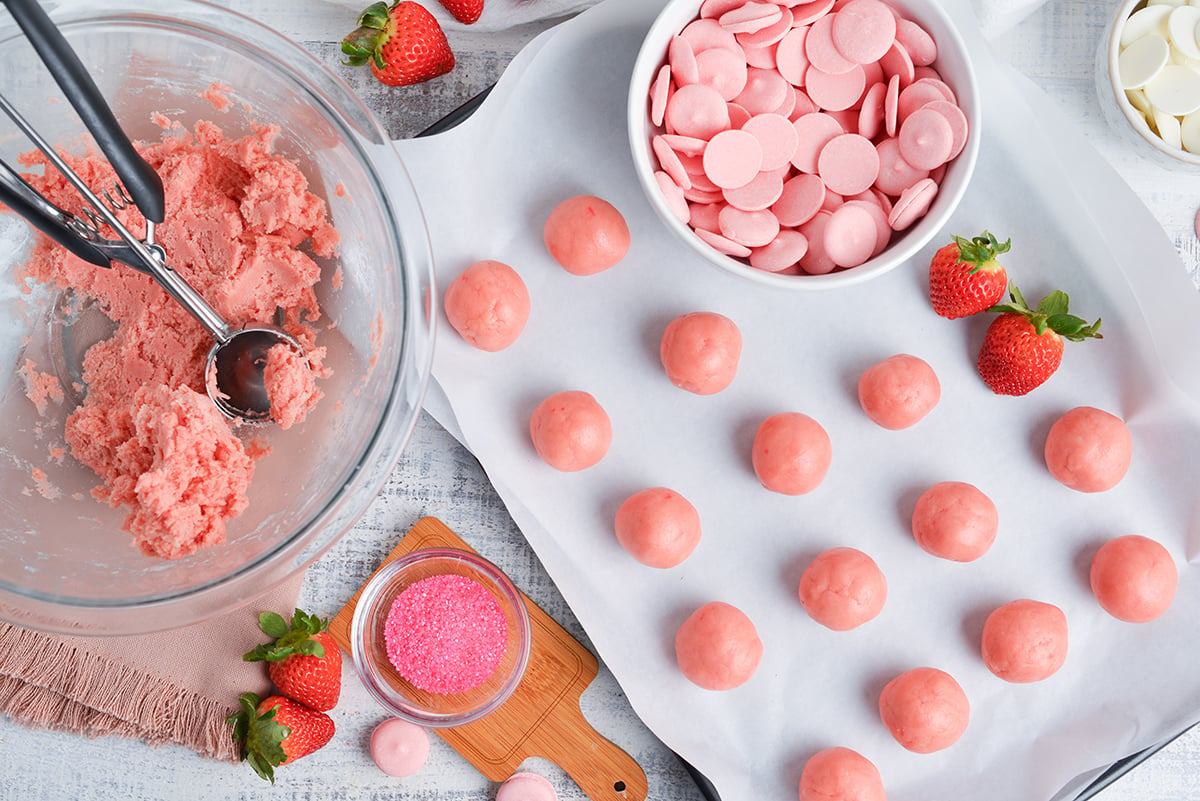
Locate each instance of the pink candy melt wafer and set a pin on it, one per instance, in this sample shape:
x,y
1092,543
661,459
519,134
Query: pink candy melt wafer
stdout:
x,y
848,164
682,61
813,132
917,42
674,196
926,139
895,174
816,260
723,70
696,110
764,92
790,57
733,158
896,63
776,136
957,120
850,235
912,204
835,91
891,106
761,193
808,13
870,113
920,92
821,51
769,35
801,198
863,30
723,244
659,93
669,160
781,253
686,145
883,231
713,9
751,229
705,34
750,17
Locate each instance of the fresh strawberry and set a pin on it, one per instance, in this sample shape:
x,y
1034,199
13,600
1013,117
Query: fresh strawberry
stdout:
x,y
403,44
465,11
1023,347
303,660
276,731
965,278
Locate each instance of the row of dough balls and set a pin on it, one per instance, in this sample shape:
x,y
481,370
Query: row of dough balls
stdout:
x,y
717,648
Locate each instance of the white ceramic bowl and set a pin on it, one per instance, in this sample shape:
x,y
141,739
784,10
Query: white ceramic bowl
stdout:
x,y
954,65
1119,111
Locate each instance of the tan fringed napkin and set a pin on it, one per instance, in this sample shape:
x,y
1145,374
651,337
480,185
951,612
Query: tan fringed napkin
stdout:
x,y
171,687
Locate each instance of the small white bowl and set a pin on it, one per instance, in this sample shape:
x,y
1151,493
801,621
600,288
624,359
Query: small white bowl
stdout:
x,y
954,65
1120,113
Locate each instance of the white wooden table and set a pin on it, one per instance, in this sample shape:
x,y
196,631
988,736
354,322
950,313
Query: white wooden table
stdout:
x,y
436,476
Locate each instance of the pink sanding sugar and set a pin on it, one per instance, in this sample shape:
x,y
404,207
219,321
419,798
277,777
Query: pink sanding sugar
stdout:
x,y
445,634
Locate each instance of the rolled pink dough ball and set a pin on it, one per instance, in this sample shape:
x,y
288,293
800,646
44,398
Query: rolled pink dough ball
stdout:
x,y
586,235
842,589
717,647
898,391
1134,578
840,774
700,352
1025,641
570,431
658,527
925,709
399,747
488,305
791,453
526,785
955,520
1088,449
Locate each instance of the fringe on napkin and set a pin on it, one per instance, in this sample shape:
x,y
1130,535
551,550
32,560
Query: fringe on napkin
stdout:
x,y
50,683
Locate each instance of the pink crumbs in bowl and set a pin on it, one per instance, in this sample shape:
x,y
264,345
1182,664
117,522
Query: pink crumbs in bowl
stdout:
x,y
445,634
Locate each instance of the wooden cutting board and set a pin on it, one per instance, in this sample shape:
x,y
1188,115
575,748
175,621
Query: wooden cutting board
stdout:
x,y
542,717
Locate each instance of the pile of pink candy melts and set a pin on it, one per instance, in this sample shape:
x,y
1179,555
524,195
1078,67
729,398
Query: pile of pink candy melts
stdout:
x,y
800,138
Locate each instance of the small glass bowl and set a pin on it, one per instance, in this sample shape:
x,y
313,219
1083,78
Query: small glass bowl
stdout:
x,y
369,649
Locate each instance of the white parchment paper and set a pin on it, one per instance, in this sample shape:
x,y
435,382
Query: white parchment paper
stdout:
x,y
555,127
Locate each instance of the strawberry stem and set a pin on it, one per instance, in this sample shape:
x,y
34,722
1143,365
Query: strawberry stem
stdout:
x,y
1052,313
362,44
980,250
259,737
292,640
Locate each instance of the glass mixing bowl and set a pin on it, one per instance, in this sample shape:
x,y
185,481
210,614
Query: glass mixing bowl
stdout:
x,y
65,563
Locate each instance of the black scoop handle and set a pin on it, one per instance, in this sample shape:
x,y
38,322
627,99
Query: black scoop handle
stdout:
x,y
140,180
21,198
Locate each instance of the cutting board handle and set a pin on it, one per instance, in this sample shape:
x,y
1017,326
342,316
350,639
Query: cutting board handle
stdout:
x,y
600,768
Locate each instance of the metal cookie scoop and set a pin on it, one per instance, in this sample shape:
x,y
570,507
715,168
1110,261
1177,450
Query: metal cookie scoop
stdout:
x,y
239,355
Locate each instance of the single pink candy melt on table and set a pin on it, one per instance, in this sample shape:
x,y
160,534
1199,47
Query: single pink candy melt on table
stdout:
x,y
526,786
399,747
